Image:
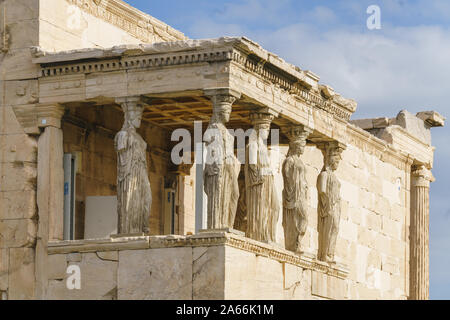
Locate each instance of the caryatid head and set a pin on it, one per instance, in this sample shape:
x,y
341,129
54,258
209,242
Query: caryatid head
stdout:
x,y
297,135
261,123
133,115
222,106
333,155
132,108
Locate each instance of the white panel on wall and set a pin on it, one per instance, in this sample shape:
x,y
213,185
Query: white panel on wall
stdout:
x,y
101,217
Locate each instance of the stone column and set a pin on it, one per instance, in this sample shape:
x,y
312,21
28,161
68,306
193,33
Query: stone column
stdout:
x,y
50,188
261,196
295,192
185,201
222,167
50,178
134,195
419,233
329,206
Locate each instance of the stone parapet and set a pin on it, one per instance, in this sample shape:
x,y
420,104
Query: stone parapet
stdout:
x,y
210,265
218,238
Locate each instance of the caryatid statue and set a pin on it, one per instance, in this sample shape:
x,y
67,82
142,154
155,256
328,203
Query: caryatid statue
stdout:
x,y
329,208
133,186
295,192
222,167
262,201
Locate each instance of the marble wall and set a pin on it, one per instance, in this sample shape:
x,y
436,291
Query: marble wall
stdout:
x,y
373,233
202,267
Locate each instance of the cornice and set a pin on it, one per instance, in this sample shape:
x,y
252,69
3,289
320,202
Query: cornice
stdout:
x,y
240,51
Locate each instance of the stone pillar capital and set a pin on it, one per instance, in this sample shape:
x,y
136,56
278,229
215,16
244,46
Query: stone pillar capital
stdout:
x,y
128,99
296,132
422,176
130,102
222,98
258,117
222,93
333,146
49,115
132,107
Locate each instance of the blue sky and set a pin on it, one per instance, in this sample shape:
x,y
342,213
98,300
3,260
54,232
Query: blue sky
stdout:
x,y
404,65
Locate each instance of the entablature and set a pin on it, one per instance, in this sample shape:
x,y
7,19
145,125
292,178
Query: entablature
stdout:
x,y
173,76
239,52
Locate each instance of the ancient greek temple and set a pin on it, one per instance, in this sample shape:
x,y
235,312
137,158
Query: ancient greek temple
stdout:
x,y
313,204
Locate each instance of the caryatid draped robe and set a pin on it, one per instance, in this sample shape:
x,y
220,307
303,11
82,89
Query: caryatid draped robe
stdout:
x,y
221,177
329,212
295,219
262,200
133,186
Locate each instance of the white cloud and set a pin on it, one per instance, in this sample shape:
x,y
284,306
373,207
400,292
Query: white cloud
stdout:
x,y
319,15
208,28
253,11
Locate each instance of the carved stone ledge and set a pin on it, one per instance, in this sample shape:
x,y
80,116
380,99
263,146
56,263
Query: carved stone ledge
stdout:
x,y
209,239
337,105
226,94
93,245
126,63
49,115
27,117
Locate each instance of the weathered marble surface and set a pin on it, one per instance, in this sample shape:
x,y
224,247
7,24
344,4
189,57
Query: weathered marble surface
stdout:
x,y
295,191
222,167
98,278
329,208
200,267
21,274
133,187
262,201
155,274
208,273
